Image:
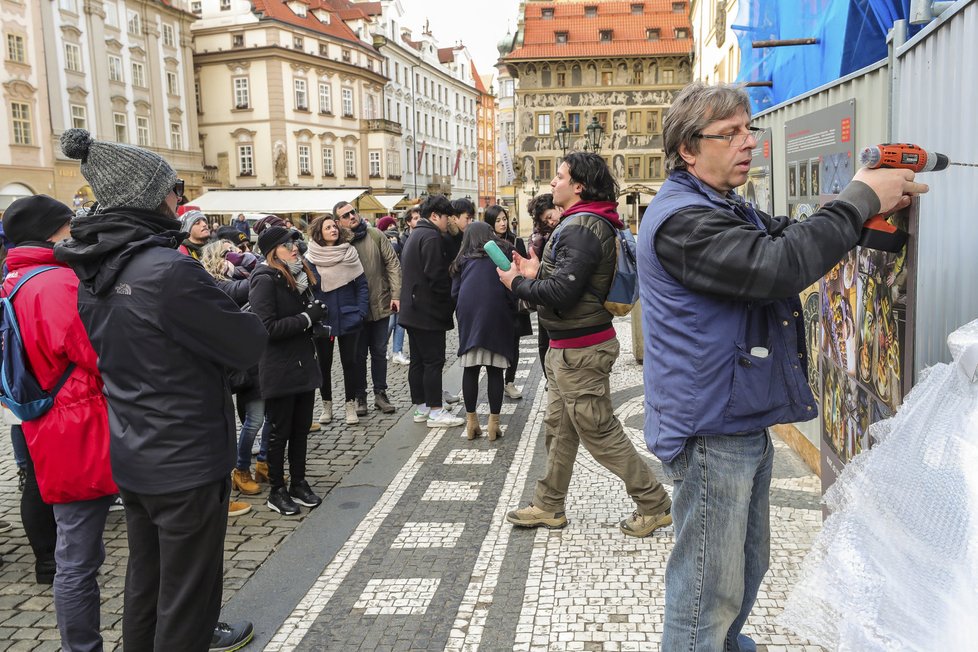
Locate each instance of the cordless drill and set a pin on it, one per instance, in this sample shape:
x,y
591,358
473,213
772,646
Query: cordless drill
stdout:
x,y
877,233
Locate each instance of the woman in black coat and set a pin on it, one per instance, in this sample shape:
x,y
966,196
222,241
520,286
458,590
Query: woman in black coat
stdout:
x,y
486,313
498,218
289,371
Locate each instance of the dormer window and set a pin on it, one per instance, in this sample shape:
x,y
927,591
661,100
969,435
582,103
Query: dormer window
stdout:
x,y
298,7
652,34
638,9
682,32
547,13
591,11
605,35
321,15
560,37
678,7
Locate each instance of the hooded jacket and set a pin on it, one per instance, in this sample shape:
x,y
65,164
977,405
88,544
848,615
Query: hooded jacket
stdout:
x,y
575,273
426,293
69,444
381,266
160,327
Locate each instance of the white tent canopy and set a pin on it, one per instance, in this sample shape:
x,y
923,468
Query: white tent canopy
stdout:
x,y
389,201
275,200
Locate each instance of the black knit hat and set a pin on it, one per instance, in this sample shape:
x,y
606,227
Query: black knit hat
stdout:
x,y
232,235
272,237
34,219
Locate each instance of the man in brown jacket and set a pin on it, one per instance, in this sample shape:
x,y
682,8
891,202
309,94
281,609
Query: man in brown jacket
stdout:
x,y
383,272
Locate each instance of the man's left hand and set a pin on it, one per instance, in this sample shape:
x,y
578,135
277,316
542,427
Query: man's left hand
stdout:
x,y
507,277
395,305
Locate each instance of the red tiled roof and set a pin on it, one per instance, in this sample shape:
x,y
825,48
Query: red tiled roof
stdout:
x,y
348,10
479,86
583,34
446,55
278,10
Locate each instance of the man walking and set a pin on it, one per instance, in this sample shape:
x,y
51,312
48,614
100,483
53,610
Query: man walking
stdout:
x,y
725,353
69,444
383,272
426,311
160,327
568,286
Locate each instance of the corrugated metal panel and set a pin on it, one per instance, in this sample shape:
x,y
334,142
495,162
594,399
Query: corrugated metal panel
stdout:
x,y
869,87
938,72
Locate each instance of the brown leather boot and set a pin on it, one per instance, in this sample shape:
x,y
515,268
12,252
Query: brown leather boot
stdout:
x,y
261,472
493,427
472,429
243,482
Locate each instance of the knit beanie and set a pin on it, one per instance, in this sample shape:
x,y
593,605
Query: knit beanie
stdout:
x,y
188,219
34,219
272,237
385,223
268,221
232,235
120,175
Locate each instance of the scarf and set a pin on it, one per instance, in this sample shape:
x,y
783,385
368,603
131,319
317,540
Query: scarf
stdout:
x,y
301,278
337,265
360,231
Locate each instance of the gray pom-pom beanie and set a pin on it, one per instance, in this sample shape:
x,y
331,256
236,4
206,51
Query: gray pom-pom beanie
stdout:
x,y
120,175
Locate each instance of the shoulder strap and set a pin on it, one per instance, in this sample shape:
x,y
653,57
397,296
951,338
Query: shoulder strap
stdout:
x,y
27,277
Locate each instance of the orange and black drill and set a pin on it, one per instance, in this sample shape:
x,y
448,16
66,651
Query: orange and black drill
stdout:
x,y
877,232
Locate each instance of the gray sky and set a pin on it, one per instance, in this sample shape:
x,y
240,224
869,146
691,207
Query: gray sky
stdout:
x,y
478,25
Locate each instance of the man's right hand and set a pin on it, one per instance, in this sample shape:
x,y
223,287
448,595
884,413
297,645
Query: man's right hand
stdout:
x,y
895,188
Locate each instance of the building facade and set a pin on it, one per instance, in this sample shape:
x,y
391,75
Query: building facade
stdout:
x,y
506,175
26,153
288,95
431,93
619,63
120,68
716,56
486,139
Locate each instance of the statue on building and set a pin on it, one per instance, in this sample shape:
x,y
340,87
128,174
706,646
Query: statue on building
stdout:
x,y
281,164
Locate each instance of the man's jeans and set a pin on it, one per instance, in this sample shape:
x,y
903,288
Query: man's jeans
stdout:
x,y
397,344
373,337
721,515
254,417
79,554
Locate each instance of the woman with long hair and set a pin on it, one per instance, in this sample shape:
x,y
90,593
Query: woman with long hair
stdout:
x,y
486,314
288,371
497,218
546,217
341,286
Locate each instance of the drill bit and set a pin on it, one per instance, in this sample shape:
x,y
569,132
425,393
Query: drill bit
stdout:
x,y
965,165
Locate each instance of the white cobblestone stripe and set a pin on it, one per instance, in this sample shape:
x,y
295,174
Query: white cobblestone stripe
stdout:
x,y
466,634
397,596
428,535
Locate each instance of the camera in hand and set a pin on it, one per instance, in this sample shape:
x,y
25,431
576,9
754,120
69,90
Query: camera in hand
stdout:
x,y
319,329
317,312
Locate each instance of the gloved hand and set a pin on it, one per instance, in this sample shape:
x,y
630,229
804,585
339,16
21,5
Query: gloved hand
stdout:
x,y
315,311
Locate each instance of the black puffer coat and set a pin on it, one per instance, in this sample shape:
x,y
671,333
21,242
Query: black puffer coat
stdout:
x,y
289,365
426,288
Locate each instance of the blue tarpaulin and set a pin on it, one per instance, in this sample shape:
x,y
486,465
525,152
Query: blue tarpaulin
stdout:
x,y
851,35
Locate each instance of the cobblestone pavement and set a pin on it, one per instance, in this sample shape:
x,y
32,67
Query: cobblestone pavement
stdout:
x,y
27,620
427,562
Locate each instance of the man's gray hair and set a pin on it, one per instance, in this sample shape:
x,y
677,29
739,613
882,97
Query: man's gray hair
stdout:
x,y
696,106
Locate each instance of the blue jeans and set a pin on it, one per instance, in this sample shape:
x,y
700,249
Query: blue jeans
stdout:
x,y
398,331
373,338
79,554
253,418
19,445
721,514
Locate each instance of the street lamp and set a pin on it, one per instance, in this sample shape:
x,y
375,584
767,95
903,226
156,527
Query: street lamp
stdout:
x,y
594,133
562,136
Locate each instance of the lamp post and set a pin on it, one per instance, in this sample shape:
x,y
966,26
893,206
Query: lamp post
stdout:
x,y
563,134
594,133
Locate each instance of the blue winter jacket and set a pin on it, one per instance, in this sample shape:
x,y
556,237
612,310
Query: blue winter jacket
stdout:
x,y
347,305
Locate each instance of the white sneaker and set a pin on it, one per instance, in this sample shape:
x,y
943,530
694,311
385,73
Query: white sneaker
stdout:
x,y
400,358
511,391
351,413
421,413
327,414
444,419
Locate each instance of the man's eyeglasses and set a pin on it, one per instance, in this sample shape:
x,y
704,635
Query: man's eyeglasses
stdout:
x,y
178,189
734,140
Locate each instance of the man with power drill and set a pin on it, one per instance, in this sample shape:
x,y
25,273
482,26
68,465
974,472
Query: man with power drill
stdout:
x,y
725,350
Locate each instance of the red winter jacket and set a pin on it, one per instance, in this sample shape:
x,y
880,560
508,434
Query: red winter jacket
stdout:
x,y
69,445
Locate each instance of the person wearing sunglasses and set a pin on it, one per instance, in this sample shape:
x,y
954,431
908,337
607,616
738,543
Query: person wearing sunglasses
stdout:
x,y
725,352
159,325
289,371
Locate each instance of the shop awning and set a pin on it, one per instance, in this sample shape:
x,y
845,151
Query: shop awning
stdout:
x,y
277,200
389,202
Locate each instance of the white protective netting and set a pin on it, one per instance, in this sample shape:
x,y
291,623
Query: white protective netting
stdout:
x,y
895,566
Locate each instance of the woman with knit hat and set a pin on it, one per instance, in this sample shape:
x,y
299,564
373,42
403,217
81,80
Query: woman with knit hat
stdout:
x,y
159,325
288,372
341,285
